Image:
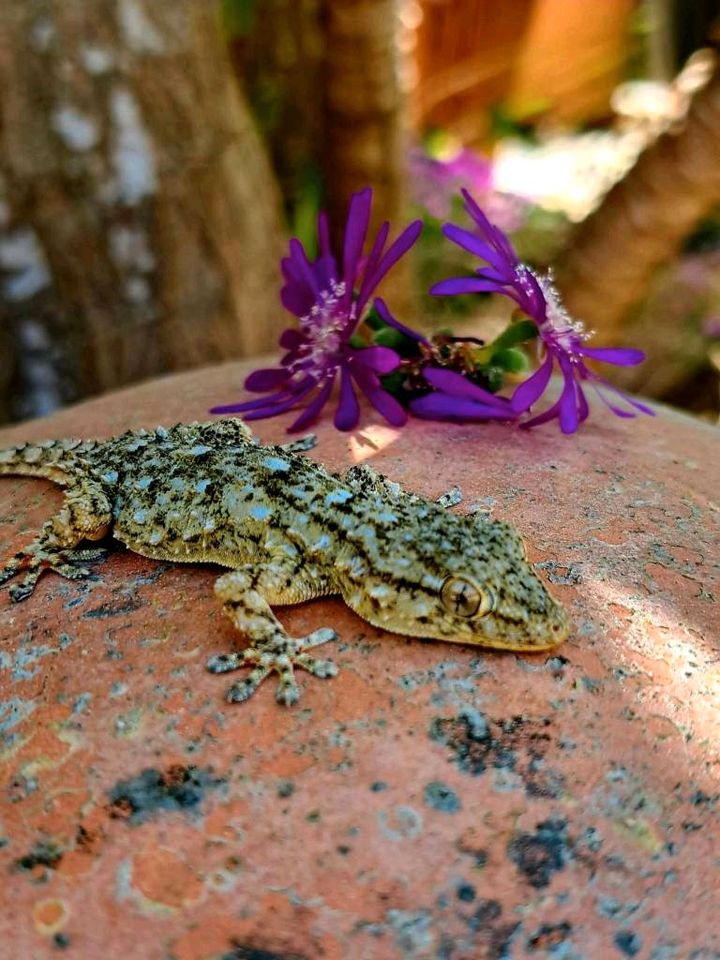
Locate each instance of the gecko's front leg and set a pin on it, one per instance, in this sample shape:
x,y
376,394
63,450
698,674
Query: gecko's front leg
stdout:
x,y
246,595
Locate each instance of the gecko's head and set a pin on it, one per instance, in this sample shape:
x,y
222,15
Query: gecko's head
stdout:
x,y
468,581
491,595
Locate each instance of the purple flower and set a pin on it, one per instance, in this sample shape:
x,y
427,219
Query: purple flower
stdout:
x,y
330,305
560,337
454,397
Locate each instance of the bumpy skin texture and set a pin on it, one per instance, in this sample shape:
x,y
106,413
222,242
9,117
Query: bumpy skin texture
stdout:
x,y
289,531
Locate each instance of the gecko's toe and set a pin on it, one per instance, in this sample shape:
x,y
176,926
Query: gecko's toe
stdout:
x,y
322,635
21,591
287,691
318,668
246,688
224,662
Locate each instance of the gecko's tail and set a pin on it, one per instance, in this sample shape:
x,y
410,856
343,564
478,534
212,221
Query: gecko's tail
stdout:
x,y
43,459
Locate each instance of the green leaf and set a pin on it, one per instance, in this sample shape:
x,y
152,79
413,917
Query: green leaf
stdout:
x,y
389,337
491,378
516,333
374,320
394,383
511,360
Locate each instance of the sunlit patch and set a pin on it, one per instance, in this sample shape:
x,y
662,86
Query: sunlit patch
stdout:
x,y
365,443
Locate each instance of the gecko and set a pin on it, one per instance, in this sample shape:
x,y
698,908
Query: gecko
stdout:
x,y
289,531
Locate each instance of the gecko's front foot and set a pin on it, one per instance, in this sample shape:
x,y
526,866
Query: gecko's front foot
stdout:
x,y
280,654
68,562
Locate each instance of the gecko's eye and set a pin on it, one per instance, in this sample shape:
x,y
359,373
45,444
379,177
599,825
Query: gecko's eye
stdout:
x,y
464,598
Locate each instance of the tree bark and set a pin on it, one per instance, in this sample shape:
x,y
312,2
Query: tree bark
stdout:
x,y
279,54
130,159
643,221
364,142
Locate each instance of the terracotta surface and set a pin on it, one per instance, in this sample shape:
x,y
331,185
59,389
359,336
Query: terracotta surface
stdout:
x,y
432,801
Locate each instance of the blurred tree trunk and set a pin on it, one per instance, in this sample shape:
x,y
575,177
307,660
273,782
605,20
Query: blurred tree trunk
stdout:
x,y
641,224
279,52
133,172
364,107
364,140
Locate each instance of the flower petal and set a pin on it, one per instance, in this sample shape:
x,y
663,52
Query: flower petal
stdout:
x,y
378,359
618,411
530,391
389,319
458,285
297,252
455,385
314,407
348,411
371,265
397,249
256,404
621,356
291,339
550,414
355,231
473,244
297,298
583,408
568,404
602,384
383,402
260,381
326,255
489,230
441,406
268,406
261,413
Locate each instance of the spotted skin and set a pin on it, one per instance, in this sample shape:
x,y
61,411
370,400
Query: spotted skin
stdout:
x,y
289,531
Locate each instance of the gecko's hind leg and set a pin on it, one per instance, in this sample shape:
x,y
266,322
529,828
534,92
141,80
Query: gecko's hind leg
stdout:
x,y
85,515
247,595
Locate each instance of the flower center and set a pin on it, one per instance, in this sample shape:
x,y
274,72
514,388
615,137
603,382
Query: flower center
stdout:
x,y
326,330
560,329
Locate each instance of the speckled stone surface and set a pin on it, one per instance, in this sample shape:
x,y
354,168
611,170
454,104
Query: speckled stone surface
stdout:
x,y
432,801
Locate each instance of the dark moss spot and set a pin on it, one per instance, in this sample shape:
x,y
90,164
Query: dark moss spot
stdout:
x,y
549,935
485,912
86,840
313,816
700,798
61,941
466,892
628,942
286,788
378,786
343,849
46,853
541,854
440,797
517,743
556,665
176,788
242,951
106,610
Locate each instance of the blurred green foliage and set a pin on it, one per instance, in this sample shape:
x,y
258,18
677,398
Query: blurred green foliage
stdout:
x,y
238,17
